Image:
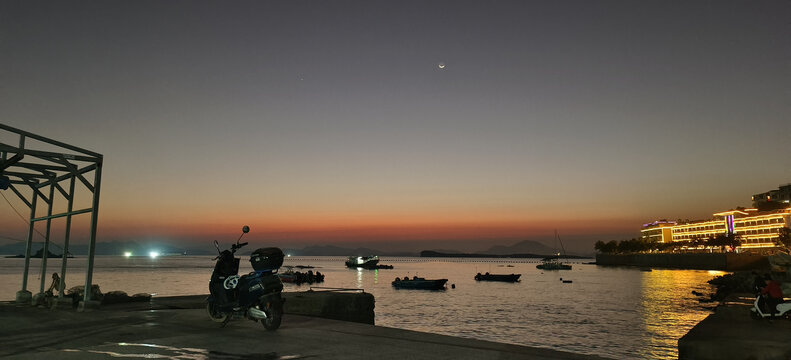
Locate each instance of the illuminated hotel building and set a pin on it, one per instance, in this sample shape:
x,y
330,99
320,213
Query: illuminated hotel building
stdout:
x,y
757,229
781,195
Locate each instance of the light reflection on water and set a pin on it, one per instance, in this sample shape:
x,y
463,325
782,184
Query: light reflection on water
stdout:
x,y
621,313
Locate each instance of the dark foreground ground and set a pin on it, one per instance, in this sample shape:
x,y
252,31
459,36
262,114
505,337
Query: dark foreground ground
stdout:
x,y
177,330
731,333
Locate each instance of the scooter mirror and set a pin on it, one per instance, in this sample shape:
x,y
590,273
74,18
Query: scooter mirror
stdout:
x,y
245,229
217,245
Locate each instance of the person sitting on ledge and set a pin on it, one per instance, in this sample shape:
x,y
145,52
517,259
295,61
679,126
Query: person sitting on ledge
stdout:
x,y
55,285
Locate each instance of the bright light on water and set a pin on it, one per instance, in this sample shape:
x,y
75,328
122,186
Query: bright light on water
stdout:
x,y
127,253
153,254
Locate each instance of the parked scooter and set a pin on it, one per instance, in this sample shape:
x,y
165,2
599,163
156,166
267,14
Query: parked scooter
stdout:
x,y
783,309
256,296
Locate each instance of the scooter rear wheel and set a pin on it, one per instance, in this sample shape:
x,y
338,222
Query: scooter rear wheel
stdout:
x,y
274,316
214,314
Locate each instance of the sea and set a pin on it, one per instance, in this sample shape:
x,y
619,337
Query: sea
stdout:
x,y
616,312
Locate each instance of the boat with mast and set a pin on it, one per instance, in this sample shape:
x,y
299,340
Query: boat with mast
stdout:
x,y
553,262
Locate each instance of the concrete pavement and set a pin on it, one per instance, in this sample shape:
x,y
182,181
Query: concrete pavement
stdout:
x,y
731,333
167,331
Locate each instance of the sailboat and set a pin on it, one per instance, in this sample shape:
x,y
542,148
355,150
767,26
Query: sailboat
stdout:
x,y
553,262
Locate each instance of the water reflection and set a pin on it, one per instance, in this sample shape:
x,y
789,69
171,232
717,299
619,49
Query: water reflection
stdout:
x,y
668,309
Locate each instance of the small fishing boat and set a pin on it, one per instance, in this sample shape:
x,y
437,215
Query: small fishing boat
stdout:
x,y
297,277
419,283
497,277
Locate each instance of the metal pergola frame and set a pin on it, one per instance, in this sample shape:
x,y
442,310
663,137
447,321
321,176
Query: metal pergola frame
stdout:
x,y
22,166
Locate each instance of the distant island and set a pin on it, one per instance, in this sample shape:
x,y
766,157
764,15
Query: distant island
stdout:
x,y
430,253
39,254
522,249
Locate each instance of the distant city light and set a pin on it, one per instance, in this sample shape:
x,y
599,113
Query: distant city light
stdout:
x,y
153,254
128,253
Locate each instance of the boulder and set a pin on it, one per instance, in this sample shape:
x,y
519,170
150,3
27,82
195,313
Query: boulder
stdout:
x,y
780,262
115,297
140,297
78,292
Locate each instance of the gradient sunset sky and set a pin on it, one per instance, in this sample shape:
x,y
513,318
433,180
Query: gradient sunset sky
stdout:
x,y
321,122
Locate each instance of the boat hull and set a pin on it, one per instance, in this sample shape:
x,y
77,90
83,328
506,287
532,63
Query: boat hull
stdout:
x,y
498,277
553,266
420,284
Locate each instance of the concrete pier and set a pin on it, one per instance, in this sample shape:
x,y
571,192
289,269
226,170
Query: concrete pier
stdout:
x,y
731,333
174,328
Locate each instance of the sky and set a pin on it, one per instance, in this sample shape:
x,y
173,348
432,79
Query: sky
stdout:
x,y
320,122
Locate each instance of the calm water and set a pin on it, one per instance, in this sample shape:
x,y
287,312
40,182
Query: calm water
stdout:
x,y
621,313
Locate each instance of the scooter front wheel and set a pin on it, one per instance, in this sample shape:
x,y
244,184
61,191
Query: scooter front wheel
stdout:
x,y
214,314
274,316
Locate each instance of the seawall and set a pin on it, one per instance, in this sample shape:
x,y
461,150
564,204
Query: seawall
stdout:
x,y
337,305
702,261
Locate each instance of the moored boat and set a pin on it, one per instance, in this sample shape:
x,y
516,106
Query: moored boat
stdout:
x,y
497,277
365,262
419,283
552,263
297,277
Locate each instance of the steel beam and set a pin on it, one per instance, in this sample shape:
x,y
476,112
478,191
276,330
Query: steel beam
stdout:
x,y
19,194
48,217
47,155
44,254
97,182
62,285
47,140
29,243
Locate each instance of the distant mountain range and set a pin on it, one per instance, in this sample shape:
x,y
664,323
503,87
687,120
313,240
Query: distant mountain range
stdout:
x,y
118,248
522,247
105,248
332,250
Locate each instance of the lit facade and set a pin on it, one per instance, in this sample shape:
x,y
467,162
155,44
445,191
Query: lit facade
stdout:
x,y
657,231
781,195
757,229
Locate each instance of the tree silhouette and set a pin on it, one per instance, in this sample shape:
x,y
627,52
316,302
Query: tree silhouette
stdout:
x,y
784,239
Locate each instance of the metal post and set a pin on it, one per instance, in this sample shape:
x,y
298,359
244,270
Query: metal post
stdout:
x,y
62,286
94,218
46,239
29,243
